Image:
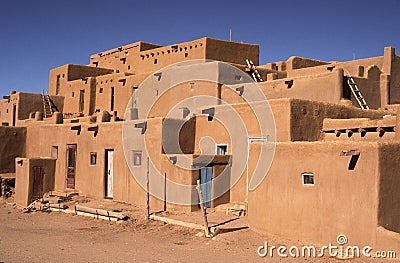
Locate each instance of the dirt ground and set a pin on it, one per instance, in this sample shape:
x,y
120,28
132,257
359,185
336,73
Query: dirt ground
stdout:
x,y
60,237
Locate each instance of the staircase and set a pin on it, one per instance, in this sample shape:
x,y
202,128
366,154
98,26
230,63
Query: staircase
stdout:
x,y
357,93
253,71
48,106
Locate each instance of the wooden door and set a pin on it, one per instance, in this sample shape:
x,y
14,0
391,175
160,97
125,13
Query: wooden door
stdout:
x,y
109,173
71,165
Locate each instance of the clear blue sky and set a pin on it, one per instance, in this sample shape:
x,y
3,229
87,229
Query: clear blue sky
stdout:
x,y
37,35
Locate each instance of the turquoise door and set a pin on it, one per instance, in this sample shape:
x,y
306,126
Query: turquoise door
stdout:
x,y
205,181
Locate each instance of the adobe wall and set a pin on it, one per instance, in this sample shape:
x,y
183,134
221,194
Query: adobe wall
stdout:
x,y
388,186
72,95
342,201
109,57
12,145
231,52
141,60
353,67
25,178
325,87
306,117
90,177
295,62
150,60
360,129
124,86
62,75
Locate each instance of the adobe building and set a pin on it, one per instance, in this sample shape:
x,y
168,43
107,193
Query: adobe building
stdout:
x,y
335,140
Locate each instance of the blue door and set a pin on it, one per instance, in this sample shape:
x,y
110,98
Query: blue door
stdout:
x,y
205,181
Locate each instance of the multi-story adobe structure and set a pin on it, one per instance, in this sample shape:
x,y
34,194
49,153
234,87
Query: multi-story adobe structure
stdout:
x,y
336,163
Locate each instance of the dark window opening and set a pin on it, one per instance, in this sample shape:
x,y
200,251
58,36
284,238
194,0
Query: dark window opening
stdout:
x,y
58,85
222,149
155,61
93,158
73,94
101,90
289,83
14,115
353,162
308,179
186,55
112,99
346,89
81,100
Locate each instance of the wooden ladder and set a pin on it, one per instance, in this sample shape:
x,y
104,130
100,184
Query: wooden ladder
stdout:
x,y
253,70
48,106
357,93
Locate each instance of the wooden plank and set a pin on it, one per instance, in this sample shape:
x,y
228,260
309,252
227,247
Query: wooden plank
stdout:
x,y
99,212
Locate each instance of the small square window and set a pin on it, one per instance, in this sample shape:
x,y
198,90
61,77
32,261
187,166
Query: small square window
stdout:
x,y
186,55
155,61
308,179
137,158
222,149
101,90
93,158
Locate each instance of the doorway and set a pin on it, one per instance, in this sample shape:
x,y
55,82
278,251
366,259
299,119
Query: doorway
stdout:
x,y
109,174
206,181
249,142
112,99
14,114
38,175
81,100
71,165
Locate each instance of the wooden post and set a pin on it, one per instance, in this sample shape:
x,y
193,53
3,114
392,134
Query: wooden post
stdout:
x,y
165,192
148,190
203,209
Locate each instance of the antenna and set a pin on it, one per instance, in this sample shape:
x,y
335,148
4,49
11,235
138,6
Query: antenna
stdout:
x,y
230,34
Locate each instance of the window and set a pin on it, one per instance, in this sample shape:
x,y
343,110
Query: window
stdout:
x,y
137,158
93,158
308,178
186,55
54,152
58,85
73,94
155,61
222,149
101,90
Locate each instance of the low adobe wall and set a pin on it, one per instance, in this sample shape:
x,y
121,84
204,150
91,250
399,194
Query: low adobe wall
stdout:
x,y
24,180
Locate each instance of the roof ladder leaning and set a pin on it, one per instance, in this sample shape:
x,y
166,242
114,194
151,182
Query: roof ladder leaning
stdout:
x,y
356,92
253,71
48,106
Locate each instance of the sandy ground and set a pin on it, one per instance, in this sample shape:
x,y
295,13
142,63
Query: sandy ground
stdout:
x,y
60,237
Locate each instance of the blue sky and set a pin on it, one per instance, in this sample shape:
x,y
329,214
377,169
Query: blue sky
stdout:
x,y
37,35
